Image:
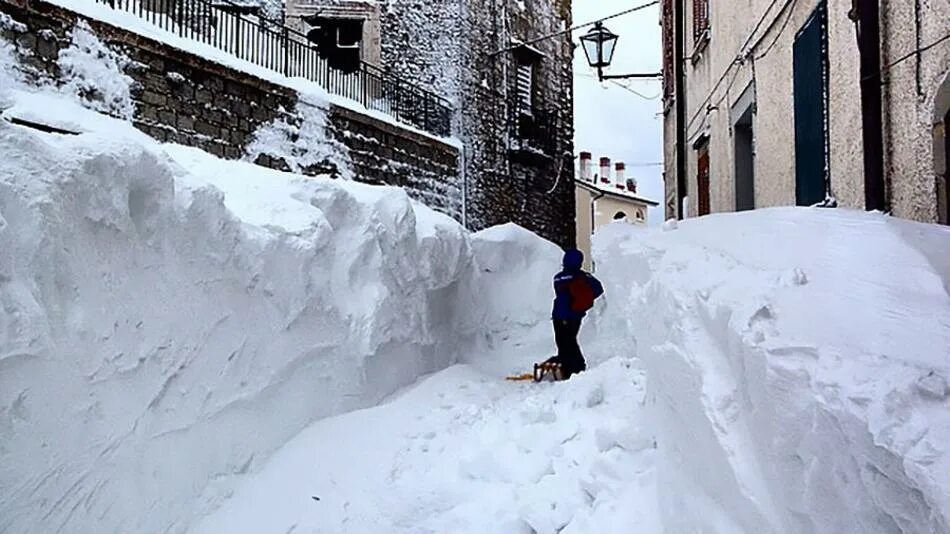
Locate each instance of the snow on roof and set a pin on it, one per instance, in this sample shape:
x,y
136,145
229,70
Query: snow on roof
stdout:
x,y
613,191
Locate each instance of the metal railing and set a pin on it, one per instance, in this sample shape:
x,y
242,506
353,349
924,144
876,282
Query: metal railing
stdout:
x,y
537,132
270,44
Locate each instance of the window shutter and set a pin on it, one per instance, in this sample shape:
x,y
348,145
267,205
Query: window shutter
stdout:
x,y
700,18
525,88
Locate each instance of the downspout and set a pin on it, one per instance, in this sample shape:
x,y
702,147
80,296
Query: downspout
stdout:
x,y
919,45
866,15
463,158
593,199
679,55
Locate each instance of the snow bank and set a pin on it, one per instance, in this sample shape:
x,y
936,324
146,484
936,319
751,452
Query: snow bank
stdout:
x,y
160,333
170,319
463,452
797,364
301,139
96,74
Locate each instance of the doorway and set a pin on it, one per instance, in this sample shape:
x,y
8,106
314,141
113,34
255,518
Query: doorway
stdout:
x,y
702,177
810,85
744,161
941,140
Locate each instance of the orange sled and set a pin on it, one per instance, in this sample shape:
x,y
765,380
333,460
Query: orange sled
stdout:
x,y
541,370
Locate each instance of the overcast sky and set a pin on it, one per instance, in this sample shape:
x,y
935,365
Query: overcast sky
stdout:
x,y
611,121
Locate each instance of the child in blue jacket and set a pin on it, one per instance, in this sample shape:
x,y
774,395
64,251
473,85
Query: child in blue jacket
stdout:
x,y
574,293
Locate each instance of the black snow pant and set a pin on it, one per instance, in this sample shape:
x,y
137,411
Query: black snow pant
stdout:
x,y
568,351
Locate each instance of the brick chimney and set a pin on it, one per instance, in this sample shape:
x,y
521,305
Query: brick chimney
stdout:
x,y
632,185
586,167
605,170
620,179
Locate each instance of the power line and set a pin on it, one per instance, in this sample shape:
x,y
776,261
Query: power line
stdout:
x,y
622,86
781,31
573,28
904,58
738,59
632,90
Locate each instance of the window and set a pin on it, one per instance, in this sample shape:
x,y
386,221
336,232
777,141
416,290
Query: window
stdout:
x,y
526,88
639,215
700,20
620,216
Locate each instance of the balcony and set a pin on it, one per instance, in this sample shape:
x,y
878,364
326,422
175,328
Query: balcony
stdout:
x,y
534,137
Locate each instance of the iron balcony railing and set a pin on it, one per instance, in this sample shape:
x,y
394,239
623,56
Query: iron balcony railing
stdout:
x,y
536,132
235,29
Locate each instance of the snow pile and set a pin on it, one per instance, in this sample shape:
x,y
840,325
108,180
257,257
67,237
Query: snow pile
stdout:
x,y
170,319
10,76
300,139
95,73
797,362
463,452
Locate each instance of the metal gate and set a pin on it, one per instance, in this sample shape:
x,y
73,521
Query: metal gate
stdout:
x,y
810,83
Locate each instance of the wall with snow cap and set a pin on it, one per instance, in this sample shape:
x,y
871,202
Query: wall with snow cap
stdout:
x,y
797,365
176,95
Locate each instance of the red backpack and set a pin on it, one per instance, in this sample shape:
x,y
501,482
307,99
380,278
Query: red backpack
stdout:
x,y
582,294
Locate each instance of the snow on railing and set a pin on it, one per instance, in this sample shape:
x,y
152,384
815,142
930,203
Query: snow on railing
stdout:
x,y
238,30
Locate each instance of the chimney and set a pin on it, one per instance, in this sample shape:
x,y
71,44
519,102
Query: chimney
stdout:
x,y
632,185
605,170
585,167
619,179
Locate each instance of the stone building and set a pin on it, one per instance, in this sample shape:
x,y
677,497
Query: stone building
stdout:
x,y
790,102
604,198
512,94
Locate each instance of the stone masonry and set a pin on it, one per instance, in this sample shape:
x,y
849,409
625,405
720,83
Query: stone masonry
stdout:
x,y
183,98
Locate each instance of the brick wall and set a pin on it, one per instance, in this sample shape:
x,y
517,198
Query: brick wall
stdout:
x,y
186,99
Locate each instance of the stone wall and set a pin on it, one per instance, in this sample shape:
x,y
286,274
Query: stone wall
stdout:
x,y
183,98
450,48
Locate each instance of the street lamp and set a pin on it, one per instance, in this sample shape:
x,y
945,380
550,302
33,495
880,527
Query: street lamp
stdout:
x,y
599,45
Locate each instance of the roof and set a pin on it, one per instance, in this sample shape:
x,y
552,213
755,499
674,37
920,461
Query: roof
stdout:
x,y
622,194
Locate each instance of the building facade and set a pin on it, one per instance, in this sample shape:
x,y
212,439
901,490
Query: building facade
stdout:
x,y
511,93
796,102
604,198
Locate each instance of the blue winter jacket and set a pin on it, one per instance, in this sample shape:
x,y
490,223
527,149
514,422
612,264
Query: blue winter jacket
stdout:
x,y
573,259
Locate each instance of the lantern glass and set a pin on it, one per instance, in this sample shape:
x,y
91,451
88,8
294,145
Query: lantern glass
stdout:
x,y
599,45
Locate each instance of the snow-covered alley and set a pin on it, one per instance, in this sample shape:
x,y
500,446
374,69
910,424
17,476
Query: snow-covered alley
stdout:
x,y
195,345
465,452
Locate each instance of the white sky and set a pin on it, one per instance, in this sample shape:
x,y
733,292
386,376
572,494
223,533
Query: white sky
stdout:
x,y
609,120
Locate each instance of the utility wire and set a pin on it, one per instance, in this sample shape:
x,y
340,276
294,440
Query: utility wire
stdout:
x,y
634,91
571,29
904,58
781,31
620,85
738,59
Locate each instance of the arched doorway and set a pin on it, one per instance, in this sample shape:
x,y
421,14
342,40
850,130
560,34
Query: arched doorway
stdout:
x,y
941,137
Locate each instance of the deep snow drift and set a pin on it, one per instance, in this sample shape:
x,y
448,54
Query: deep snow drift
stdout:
x,y
797,364
185,344
161,334
169,318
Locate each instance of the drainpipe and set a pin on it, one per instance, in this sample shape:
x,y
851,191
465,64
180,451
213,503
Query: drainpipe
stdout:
x,y
679,58
866,15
